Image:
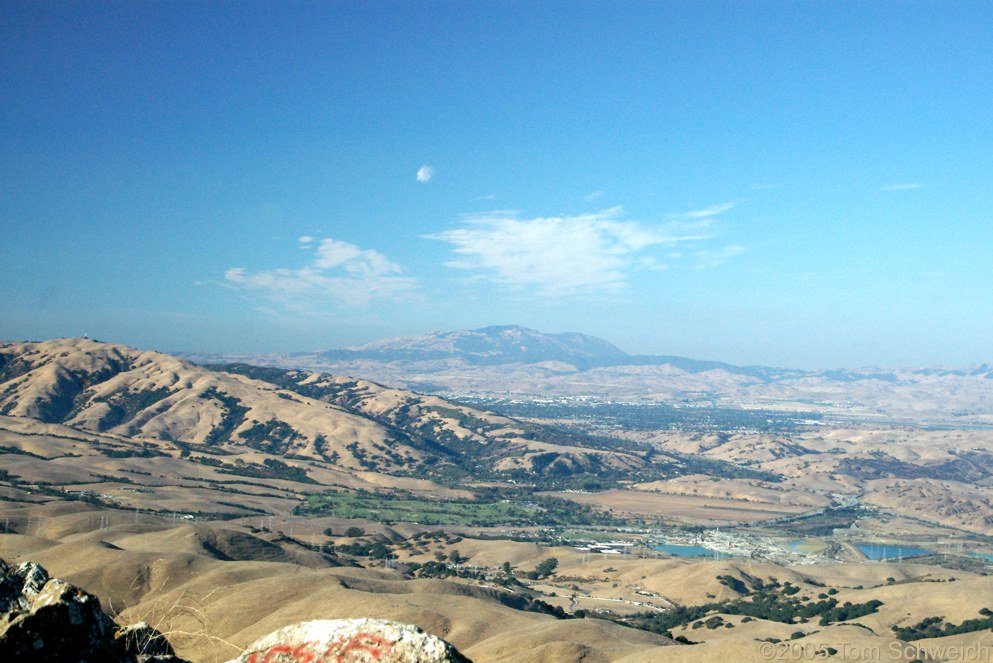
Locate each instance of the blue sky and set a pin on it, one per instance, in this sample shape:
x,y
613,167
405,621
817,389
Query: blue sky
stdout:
x,y
802,184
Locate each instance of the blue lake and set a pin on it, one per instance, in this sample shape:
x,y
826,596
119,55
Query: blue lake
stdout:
x,y
688,551
876,551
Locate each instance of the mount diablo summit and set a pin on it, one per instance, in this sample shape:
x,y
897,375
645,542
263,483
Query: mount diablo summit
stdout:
x,y
513,344
508,344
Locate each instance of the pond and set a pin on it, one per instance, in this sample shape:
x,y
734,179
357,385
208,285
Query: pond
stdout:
x,y
811,546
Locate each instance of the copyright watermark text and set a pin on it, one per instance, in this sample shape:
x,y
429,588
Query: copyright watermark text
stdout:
x,y
894,651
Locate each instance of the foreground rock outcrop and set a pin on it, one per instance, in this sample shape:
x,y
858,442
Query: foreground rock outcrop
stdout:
x,y
47,619
350,641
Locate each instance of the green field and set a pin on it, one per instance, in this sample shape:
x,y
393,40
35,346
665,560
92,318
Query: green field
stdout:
x,y
533,510
425,512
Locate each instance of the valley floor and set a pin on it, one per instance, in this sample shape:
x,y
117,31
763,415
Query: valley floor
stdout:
x,y
215,586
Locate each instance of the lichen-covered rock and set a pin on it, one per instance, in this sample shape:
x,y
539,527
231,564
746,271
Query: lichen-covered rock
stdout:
x,y
53,622
350,641
47,619
20,584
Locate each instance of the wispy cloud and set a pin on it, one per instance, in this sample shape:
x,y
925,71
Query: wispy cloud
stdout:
x,y
340,274
713,258
596,195
567,255
707,212
424,174
909,186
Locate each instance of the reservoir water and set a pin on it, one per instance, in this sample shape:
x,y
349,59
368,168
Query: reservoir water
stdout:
x,y
878,551
688,550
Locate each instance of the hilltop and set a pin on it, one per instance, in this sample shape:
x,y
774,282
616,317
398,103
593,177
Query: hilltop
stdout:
x,y
350,424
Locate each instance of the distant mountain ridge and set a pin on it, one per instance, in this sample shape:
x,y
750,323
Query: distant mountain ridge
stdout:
x,y
516,361
489,346
514,344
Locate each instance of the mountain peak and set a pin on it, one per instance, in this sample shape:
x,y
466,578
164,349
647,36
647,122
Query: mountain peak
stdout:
x,y
496,344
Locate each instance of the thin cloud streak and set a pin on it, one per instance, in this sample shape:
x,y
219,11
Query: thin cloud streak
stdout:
x,y
910,186
708,212
563,256
340,274
717,257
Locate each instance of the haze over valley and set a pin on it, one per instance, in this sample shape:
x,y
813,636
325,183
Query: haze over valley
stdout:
x,y
506,362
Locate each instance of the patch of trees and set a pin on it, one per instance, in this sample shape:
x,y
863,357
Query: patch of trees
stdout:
x,y
432,569
271,468
936,627
290,380
63,399
772,602
271,436
360,455
734,584
147,451
11,368
544,569
5,449
716,621
321,446
371,549
233,416
124,405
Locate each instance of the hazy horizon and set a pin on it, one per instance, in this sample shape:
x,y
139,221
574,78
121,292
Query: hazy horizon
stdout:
x,y
803,185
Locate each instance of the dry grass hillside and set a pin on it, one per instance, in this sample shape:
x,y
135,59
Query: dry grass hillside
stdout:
x,y
222,502
354,425
215,587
